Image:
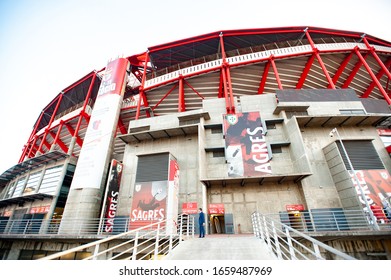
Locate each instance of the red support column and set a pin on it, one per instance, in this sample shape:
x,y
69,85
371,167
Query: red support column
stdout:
x,y
72,131
353,73
316,52
306,70
141,88
221,86
229,103
276,72
181,99
50,123
342,68
121,126
262,84
57,139
30,154
82,114
384,93
58,142
231,95
374,54
373,84
26,151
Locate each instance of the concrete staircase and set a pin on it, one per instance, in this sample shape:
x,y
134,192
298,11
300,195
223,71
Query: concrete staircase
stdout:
x,y
222,247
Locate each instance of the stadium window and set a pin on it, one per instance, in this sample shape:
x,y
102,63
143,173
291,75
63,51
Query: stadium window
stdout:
x,y
218,154
352,112
270,125
290,114
276,149
217,130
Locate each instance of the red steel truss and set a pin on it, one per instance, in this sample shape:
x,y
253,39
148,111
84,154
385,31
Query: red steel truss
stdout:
x,y
177,76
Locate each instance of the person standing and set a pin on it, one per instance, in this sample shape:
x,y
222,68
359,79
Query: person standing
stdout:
x,y
201,223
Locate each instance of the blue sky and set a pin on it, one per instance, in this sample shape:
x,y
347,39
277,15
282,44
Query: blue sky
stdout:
x,y
47,45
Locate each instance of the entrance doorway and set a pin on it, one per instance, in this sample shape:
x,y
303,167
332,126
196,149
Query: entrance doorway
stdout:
x,y
216,224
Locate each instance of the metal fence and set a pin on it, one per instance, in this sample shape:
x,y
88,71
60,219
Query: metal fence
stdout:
x,y
288,243
149,242
330,219
74,227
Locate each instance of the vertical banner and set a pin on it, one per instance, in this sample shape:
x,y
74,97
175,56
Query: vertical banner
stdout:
x,y
149,204
376,185
112,194
102,126
246,150
173,190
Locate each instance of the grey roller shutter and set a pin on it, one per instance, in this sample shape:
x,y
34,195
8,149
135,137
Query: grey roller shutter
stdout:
x,y
152,168
362,154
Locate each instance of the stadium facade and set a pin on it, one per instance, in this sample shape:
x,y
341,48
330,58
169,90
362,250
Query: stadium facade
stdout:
x,y
234,122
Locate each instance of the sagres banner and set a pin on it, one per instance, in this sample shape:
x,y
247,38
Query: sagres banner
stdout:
x,y
376,185
246,150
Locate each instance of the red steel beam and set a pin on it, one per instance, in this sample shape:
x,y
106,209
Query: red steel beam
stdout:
x,y
373,84
121,126
342,67
58,141
181,95
373,76
50,123
379,61
221,86
276,72
229,104
262,84
231,95
322,65
141,88
31,152
305,72
164,97
190,86
82,114
353,73
72,131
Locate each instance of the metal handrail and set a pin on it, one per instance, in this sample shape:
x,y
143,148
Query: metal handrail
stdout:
x,y
280,241
337,219
147,242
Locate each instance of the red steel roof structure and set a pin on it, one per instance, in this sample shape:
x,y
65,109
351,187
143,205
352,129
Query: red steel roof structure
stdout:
x,y
177,76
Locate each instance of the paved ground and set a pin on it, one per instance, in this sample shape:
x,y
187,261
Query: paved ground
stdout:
x,y
222,247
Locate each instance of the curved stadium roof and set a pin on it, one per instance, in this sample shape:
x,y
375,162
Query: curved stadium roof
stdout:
x,y
177,76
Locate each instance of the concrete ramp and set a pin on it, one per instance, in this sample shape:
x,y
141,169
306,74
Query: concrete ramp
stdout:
x,y
222,247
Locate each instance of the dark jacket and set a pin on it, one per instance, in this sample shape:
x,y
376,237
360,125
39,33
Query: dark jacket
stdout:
x,y
201,218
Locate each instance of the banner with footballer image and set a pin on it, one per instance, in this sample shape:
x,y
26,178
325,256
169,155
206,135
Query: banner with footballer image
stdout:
x,y
376,185
246,150
157,200
149,204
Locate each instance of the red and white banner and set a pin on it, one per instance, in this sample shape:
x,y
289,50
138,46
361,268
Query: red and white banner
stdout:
x,y
246,149
294,207
149,204
40,209
190,208
112,194
216,208
173,190
94,155
376,185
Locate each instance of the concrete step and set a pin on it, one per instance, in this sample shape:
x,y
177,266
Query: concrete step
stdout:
x,y
222,247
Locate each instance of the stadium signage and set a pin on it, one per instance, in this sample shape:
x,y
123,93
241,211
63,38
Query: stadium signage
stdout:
x,y
112,194
246,150
95,156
